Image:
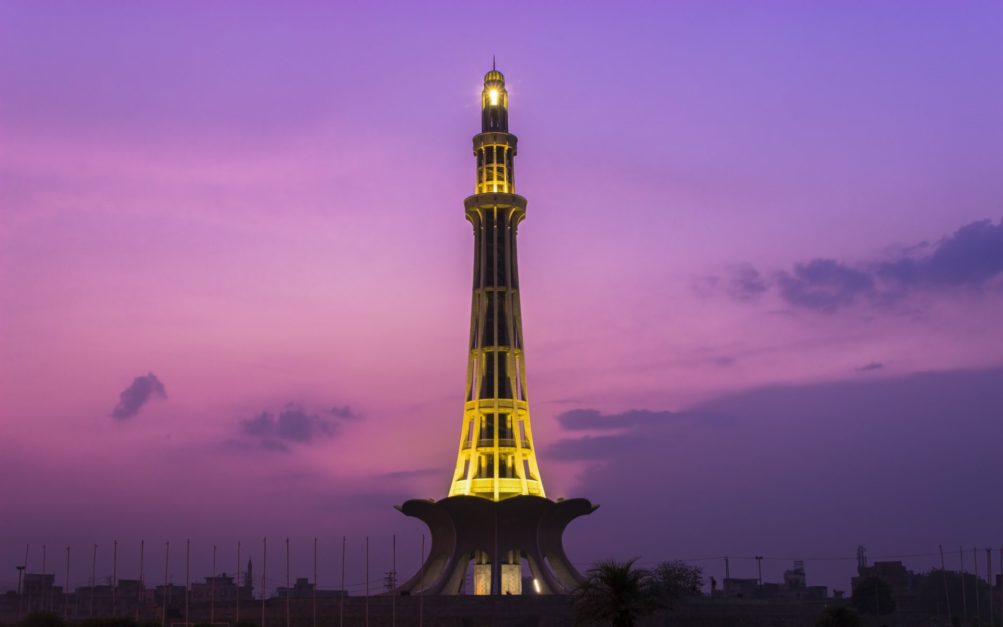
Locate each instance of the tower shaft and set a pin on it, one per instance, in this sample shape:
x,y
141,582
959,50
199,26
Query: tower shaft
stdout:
x,y
496,458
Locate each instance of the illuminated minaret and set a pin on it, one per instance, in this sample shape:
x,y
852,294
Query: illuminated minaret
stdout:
x,y
496,515
496,459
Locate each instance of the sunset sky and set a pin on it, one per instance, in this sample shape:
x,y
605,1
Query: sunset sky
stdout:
x,y
762,274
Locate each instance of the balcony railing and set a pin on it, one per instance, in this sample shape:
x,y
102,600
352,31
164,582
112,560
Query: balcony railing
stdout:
x,y
502,442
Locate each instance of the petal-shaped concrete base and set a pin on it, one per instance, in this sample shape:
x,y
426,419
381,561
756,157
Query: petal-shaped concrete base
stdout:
x,y
529,526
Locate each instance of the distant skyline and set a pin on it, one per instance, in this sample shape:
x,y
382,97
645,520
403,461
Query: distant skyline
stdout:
x,y
762,272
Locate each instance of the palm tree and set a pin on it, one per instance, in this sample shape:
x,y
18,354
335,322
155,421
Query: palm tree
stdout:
x,y
614,593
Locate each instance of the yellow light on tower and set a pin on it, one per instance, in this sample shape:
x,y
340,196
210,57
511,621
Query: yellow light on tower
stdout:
x,y
493,97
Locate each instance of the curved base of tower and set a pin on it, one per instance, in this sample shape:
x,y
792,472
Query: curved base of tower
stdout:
x,y
497,536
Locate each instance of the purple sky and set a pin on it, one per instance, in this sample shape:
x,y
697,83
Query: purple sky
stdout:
x,y
762,273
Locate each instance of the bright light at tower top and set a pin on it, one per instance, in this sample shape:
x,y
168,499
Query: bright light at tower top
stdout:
x,y
494,93
494,102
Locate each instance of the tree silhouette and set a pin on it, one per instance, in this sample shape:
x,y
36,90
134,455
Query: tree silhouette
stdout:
x,y
675,580
614,593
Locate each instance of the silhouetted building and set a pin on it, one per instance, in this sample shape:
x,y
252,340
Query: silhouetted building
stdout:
x,y
171,595
794,587
39,592
247,590
905,585
895,574
304,589
97,600
130,595
738,588
219,588
795,578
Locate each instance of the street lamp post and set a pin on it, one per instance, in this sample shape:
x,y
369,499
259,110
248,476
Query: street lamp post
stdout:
x,y
20,572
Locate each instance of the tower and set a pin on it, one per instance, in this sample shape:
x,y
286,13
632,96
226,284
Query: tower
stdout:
x,y
496,458
496,514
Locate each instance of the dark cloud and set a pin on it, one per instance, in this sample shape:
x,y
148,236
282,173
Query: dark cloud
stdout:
x,y
274,445
824,285
590,419
970,258
344,412
820,467
592,447
722,361
142,390
415,472
746,282
743,282
262,425
293,424
874,365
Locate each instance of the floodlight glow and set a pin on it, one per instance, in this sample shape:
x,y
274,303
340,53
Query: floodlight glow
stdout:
x,y
493,96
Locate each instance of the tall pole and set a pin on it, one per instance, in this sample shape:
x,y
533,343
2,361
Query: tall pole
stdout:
x,y
421,584
66,586
989,580
24,590
341,606
139,589
288,588
47,600
393,582
167,561
964,599
975,571
727,576
212,588
188,580
264,579
94,569
114,578
236,612
315,582
947,596
759,564
367,581
20,592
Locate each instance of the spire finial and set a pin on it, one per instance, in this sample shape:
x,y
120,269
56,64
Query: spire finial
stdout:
x,y
493,63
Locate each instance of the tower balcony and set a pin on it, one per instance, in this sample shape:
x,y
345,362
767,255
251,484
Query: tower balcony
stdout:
x,y
503,443
506,487
491,405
